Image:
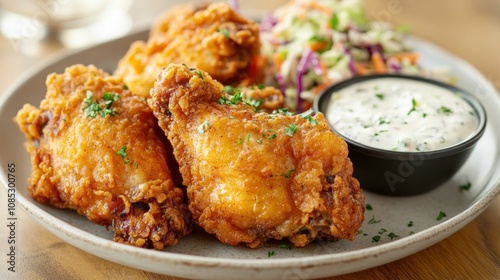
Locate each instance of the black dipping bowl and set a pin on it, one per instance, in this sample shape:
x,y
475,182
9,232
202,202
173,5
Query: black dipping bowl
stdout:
x,y
405,173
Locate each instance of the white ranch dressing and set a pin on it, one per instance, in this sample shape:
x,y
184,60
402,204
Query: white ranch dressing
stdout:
x,y
401,115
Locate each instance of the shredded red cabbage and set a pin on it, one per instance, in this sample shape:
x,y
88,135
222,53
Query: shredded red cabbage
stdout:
x,y
394,65
302,67
374,49
316,64
352,67
281,82
268,22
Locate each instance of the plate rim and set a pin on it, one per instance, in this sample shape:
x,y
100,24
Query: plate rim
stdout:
x,y
434,233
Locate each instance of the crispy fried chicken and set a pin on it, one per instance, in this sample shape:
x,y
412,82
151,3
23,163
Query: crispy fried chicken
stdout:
x,y
216,39
253,176
95,148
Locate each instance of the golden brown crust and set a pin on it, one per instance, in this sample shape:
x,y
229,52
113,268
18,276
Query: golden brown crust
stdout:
x,y
215,39
247,178
76,165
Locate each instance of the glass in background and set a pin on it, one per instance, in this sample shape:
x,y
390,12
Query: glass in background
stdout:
x,y
73,23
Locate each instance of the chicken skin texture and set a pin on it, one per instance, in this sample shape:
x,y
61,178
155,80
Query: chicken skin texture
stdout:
x,y
253,176
111,168
215,39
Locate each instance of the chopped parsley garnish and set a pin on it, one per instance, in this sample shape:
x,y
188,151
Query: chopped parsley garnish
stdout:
x,y
94,107
465,187
380,96
424,115
410,223
392,235
382,231
240,141
444,110
222,100
376,238
254,103
440,216
282,111
381,131
237,97
288,173
308,116
122,152
203,127
109,98
382,121
259,141
270,137
125,87
306,113
368,207
270,254
198,72
285,246
291,129
229,90
261,86
373,221
413,106
224,32
248,137
311,120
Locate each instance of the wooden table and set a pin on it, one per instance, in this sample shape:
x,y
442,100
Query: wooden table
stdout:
x,y
469,28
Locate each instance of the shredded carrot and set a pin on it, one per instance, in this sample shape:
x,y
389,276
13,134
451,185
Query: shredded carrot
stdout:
x,y
319,88
257,64
378,63
278,61
316,46
361,69
317,6
412,57
288,6
306,105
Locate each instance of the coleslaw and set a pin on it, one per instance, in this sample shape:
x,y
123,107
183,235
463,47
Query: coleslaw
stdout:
x,y
310,44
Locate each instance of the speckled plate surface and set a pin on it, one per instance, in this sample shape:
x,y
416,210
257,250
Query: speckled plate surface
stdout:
x,y
404,225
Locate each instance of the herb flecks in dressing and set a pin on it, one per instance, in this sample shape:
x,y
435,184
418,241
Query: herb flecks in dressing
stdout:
x,y
401,115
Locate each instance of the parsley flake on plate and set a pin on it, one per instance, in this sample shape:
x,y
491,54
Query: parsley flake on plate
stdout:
x,y
465,187
440,216
373,221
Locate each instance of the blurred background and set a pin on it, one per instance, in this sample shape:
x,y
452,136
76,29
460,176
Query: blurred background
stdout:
x,y
32,30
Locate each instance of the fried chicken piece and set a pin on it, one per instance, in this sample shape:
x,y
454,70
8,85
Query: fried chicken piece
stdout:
x,y
172,17
96,148
215,39
270,98
261,97
253,176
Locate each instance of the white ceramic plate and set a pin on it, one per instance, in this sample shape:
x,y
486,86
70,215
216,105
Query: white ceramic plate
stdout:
x,y
202,256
